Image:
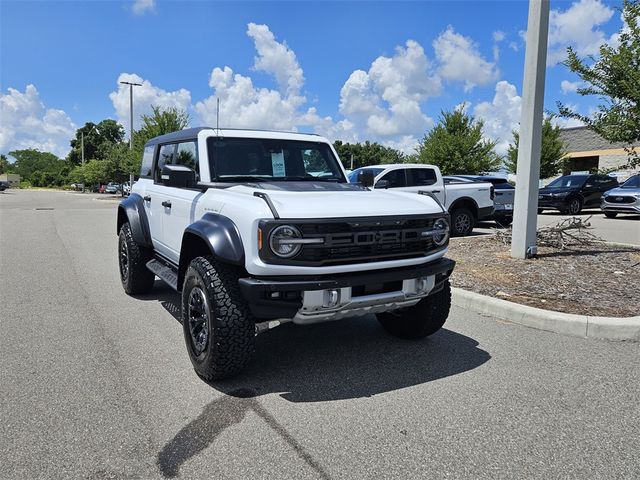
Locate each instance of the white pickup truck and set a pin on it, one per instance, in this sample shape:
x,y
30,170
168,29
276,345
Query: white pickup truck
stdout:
x,y
466,202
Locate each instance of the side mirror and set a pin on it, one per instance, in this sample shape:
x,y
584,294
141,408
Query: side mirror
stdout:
x,y
366,178
178,176
382,184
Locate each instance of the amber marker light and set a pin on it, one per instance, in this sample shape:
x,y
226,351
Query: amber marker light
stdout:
x,y
259,238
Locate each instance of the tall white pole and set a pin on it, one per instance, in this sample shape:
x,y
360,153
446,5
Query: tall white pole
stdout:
x,y
525,209
130,116
82,145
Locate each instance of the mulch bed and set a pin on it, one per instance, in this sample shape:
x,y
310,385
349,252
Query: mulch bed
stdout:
x,y
597,280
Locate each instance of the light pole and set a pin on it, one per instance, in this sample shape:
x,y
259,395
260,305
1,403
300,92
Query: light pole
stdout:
x,y
131,85
525,208
82,140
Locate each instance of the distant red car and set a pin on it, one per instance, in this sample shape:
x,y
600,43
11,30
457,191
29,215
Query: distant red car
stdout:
x,y
101,188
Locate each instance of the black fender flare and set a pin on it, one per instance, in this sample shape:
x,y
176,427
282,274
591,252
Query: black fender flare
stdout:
x,y
131,210
465,200
213,234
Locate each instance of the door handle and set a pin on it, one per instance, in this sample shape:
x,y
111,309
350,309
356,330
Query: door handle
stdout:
x,y
436,191
146,198
166,203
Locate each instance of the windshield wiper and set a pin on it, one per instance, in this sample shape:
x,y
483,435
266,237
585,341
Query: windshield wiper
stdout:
x,y
242,179
310,178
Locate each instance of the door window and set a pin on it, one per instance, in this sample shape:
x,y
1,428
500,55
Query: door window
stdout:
x,y
420,177
187,155
165,157
395,178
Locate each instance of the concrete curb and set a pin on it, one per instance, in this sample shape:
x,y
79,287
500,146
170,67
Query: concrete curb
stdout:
x,y
609,328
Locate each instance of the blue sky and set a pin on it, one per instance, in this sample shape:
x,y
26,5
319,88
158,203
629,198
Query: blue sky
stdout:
x,y
358,70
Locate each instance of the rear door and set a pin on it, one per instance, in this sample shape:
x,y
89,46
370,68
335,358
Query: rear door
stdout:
x,y
155,196
425,180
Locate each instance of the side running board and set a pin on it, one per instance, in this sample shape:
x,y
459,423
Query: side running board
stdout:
x,y
166,272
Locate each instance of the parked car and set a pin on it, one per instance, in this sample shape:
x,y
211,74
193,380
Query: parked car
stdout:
x,y
624,199
102,189
78,186
503,198
466,202
571,193
259,240
126,189
112,187
4,185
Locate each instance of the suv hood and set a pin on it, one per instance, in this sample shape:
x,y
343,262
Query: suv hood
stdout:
x,y
623,191
330,202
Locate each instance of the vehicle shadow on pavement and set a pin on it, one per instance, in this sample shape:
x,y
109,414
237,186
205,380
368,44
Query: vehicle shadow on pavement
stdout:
x,y
350,358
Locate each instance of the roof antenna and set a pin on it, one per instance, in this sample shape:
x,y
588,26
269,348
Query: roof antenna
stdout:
x,y
218,116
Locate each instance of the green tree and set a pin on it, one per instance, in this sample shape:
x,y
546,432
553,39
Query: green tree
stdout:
x,y
456,145
551,154
160,122
5,166
42,169
367,153
615,79
97,138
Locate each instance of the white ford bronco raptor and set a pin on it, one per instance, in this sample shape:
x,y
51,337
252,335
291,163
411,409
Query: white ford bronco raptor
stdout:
x,y
259,228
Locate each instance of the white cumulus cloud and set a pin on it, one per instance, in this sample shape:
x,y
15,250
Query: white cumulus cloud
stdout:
x,y
25,122
245,105
144,97
501,116
384,103
140,7
460,60
566,86
578,27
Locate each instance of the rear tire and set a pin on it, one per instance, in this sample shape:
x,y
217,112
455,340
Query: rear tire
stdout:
x,y
423,319
611,214
218,330
462,222
136,278
574,206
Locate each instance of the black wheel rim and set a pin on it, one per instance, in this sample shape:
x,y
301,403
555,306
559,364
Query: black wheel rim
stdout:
x,y
462,223
198,311
124,260
574,206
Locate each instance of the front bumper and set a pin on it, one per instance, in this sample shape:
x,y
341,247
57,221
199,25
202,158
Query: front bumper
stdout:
x,y
621,207
303,299
559,203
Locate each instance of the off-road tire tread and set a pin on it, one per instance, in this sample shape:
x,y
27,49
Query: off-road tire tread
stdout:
x,y
140,278
233,328
423,319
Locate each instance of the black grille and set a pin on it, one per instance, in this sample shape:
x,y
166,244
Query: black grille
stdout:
x,y
619,199
363,240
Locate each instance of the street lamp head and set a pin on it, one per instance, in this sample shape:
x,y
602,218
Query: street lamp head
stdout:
x,y
131,83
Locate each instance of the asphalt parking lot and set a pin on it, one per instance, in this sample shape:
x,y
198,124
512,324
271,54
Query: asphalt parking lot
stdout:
x,y
622,229
96,384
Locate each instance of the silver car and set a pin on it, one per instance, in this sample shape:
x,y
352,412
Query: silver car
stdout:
x,y
623,199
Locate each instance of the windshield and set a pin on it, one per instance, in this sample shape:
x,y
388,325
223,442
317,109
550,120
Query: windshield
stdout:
x,y
260,159
568,181
633,182
353,176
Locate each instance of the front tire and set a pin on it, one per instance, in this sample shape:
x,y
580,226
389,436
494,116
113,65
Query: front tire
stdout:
x,y
218,329
462,222
136,278
421,320
611,214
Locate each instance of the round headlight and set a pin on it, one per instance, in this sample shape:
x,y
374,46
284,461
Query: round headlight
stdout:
x,y
440,232
280,244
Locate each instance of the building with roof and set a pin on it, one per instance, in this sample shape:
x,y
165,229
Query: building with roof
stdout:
x,y
588,151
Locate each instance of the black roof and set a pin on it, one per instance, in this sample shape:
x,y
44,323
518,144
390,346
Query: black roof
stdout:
x,y
187,134
191,133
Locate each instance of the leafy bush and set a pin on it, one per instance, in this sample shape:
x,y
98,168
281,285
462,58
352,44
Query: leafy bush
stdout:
x,y
25,184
